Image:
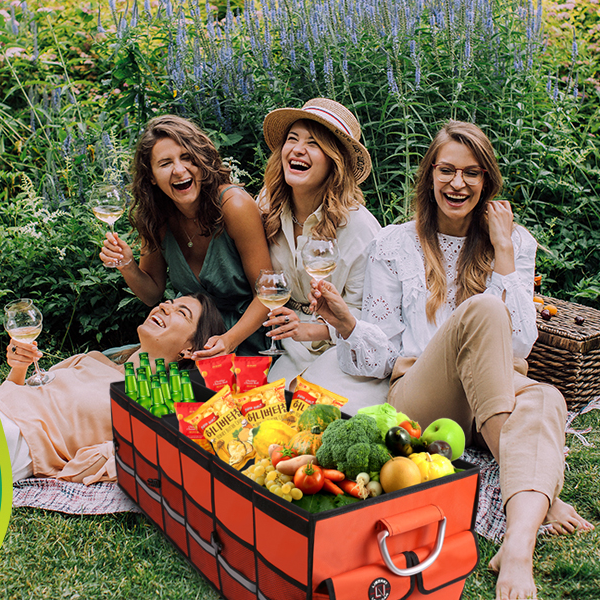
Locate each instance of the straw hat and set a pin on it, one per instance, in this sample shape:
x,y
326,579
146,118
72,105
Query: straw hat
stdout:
x,y
337,118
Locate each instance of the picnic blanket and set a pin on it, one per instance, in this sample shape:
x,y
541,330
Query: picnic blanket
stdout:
x,y
107,497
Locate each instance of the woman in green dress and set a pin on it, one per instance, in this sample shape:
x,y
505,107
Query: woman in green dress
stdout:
x,y
197,227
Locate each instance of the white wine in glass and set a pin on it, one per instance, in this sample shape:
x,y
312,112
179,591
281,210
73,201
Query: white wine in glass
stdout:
x,y
273,291
108,203
320,256
23,321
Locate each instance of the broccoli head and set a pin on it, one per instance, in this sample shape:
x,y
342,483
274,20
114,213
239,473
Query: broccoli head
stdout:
x,y
352,446
378,457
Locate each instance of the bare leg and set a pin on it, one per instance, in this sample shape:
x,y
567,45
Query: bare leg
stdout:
x,y
525,512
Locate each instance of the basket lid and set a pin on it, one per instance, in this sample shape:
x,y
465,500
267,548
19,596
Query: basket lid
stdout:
x,y
562,331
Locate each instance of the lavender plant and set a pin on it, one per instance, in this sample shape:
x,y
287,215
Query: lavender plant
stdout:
x,y
77,86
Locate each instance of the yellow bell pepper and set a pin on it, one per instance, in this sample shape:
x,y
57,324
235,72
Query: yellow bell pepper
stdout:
x,y
432,466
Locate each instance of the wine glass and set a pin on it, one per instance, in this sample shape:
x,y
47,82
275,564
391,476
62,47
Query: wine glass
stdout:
x,y
319,255
23,322
273,291
109,202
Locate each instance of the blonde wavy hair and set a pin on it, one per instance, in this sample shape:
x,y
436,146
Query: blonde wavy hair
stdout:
x,y
340,192
475,259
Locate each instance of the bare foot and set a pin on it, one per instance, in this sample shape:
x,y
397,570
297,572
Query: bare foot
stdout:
x,y
563,518
515,573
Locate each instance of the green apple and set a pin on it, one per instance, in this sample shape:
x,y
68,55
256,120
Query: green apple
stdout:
x,y
446,430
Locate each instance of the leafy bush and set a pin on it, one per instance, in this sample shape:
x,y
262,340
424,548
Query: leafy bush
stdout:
x,y
79,84
51,256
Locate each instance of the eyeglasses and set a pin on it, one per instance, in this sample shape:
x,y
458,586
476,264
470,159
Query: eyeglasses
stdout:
x,y
445,173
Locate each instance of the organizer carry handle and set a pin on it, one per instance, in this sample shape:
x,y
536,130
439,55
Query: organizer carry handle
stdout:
x,y
409,521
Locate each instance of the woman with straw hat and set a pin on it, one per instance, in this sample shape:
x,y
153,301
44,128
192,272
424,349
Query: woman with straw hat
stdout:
x,y
311,187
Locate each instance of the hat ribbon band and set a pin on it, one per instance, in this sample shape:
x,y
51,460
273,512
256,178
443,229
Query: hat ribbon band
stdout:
x,y
318,109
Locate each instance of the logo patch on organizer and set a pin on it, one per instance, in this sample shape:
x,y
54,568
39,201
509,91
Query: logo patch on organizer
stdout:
x,y
380,589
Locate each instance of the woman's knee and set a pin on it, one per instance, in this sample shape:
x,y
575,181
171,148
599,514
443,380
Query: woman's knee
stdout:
x,y
484,307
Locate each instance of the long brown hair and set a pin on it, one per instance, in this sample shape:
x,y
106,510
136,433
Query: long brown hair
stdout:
x,y
340,191
474,262
151,207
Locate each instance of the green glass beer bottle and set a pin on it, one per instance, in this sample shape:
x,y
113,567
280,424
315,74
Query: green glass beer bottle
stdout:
x,y
158,408
175,382
166,391
131,388
144,396
160,366
145,362
186,387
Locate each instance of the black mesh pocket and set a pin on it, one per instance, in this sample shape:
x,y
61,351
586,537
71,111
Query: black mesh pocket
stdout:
x,y
274,587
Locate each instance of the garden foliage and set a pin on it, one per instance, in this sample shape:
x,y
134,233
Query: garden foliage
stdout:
x,y
78,85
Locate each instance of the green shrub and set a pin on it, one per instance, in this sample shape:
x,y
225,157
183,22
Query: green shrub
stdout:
x,y
79,84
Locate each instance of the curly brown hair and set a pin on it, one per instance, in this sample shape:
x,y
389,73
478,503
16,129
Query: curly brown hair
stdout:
x,y
151,207
474,262
340,192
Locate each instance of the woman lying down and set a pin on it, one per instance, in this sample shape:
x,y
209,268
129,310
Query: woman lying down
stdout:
x,y
63,429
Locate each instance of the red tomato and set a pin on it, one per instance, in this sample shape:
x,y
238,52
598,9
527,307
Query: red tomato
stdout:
x,y
309,479
282,453
413,428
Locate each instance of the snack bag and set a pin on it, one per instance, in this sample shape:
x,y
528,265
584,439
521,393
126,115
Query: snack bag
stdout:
x,y
217,371
229,436
262,403
195,417
250,372
306,394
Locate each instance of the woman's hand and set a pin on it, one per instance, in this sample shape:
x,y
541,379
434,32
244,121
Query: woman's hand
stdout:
x,y
217,345
115,249
19,356
500,223
286,324
331,306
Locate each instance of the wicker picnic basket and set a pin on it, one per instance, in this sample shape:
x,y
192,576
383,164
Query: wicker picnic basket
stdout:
x,y
567,355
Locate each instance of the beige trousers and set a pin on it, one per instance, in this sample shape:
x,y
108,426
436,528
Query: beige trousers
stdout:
x,y
467,373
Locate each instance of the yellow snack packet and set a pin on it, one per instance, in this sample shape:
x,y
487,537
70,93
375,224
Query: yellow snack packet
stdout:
x,y
194,417
229,436
262,403
307,394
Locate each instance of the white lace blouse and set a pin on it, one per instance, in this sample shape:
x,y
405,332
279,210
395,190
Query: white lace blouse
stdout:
x,y
394,322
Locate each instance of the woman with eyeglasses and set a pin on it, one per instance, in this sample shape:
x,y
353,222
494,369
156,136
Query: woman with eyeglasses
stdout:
x,y
448,314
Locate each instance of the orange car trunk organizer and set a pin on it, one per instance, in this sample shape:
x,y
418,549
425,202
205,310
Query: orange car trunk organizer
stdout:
x,y
252,545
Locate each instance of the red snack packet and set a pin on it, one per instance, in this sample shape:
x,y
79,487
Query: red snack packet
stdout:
x,y
217,371
250,372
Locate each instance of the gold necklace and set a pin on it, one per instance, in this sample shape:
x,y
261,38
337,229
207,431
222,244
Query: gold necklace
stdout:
x,y
190,238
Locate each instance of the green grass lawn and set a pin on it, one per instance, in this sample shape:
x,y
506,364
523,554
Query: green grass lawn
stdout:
x,y
53,556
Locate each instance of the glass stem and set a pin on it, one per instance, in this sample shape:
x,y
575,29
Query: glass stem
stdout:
x,y
37,370
273,346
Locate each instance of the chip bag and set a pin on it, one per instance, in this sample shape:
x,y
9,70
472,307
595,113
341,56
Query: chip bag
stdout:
x,y
262,403
229,436
250,372
307,394
195,417
217,371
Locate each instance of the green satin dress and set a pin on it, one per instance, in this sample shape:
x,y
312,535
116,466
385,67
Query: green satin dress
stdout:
x,y
222,278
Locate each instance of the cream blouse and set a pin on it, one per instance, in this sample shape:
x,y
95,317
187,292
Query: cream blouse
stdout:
x,y
394,321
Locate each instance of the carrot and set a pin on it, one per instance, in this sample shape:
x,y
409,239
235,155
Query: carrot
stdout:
x,y
329,486
352,488
333,475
